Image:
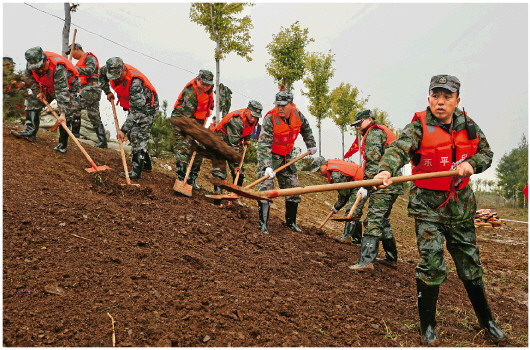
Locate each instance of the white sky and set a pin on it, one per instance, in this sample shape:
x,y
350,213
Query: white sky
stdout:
x,y
387,50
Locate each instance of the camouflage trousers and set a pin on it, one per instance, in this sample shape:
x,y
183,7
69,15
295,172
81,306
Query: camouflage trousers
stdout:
x,y
460,239
377,222
89,101
184,147
140,130
287,178
358,212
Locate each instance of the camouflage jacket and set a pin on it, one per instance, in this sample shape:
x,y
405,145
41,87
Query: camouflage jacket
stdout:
x,y
90,69
63,94
266,136
423,202
374,149
189,104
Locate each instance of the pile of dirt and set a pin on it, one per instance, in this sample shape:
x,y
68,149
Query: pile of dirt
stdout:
x,y
80,250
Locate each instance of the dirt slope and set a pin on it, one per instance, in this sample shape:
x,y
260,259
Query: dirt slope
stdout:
x,y
178,271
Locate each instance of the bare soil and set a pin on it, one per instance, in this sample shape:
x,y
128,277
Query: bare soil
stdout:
x,y
81,250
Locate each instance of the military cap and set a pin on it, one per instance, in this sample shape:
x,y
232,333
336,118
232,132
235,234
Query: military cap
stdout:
x,y
360,116
255,108
35,57
114,67
8,59
76,46
445,81
283,97
317,163
206,76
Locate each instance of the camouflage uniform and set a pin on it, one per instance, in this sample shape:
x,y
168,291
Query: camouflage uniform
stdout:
x,y
225,99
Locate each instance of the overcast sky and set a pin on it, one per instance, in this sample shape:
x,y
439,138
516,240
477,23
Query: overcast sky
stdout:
x,y
388,51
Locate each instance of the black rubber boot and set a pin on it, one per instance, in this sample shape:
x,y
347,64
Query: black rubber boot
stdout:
x,y
427,298
477,296
63,141
192,180
138,158
76,126
389,245
368,254
291,208
264,208
180,169
148,166
102,137
349,227
357,232
32,126
217,190
240,180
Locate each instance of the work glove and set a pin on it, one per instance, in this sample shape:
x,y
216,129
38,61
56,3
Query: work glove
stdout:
x,y
335,211
363,192
313,150
270,172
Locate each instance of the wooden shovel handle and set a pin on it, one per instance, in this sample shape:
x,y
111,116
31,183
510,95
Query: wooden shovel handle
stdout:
x,y
279,169
355,204
326,219
240,164
72,47
122,151
353,184
192,159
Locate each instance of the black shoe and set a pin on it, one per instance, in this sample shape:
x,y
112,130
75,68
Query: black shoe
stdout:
x,y
60,148
291,208
427,298
367,255
264,208
32,126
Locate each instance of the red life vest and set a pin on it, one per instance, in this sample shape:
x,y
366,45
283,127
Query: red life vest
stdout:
x,y
46,81
347,168
247,127
390,137
82,64
285,134
204,100
123,89
436,152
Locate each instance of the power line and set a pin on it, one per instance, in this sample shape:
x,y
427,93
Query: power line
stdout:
x,y
116,43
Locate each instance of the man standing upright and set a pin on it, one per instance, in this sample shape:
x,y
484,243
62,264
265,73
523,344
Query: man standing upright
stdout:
x,y
88,67
280,129
138,97
196,102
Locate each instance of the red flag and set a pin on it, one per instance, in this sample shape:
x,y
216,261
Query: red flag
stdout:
x,y
525,191
353,149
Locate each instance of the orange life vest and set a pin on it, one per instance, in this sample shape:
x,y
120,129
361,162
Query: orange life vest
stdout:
x,y
247,127
390,137
46,81
438,151
347,168
285,134
82,64
204,101
123,89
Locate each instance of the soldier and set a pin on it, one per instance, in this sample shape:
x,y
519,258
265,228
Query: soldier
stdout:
x,y
441,138
138,97
213,124
88,67
280,129
339,171
196,102
225,99
14,89
51,76
235,129
376,138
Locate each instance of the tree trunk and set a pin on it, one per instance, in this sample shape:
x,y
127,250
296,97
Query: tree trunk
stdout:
x,y
217,79
319,138
342,132
66,28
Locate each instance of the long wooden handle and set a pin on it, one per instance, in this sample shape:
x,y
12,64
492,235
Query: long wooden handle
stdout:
x,y
122,151
72,47
353,184
240,164
326,219
355,204
279,169
190,164
63,124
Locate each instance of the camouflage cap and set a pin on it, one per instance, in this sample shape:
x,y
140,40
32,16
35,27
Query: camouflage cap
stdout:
x,y
317,163
206,76
76,46
114,67
360,116
255,108
8,59
283,97
35,57
445,81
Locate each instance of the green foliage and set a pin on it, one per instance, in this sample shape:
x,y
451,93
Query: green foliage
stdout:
x,y
345,104
14,92
232,34
288,55
382,117
512,170
162,139
251,157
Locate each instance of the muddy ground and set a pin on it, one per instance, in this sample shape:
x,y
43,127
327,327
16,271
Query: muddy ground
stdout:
x,y
80,250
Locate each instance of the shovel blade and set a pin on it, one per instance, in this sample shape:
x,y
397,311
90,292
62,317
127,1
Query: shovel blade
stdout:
x,y
98,168
183,188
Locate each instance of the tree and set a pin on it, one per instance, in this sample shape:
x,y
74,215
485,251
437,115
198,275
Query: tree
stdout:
x,y
345,104
68,9
319,70
382,117
230,33
162,139
288,55
512,170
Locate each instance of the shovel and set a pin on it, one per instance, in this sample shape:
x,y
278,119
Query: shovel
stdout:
x,y
235,188
182,186
63,124
122,151
350,217
329,187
